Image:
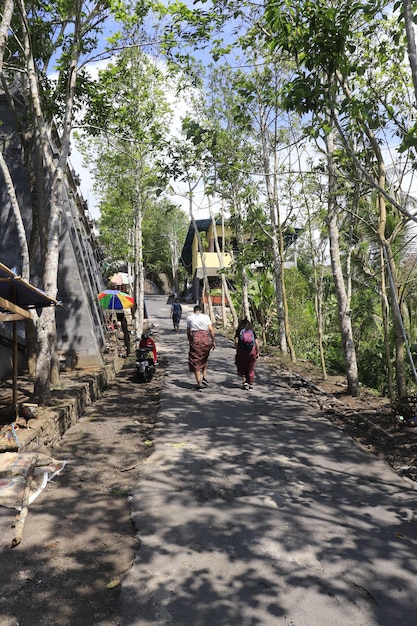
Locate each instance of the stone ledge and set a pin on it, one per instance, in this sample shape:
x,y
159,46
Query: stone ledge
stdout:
x,y
48,429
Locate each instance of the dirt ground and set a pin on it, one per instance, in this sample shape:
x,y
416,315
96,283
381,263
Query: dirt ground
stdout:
x,y
384,430
78,540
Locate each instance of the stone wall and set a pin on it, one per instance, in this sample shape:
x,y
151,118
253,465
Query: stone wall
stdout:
x,y
80,325
48,428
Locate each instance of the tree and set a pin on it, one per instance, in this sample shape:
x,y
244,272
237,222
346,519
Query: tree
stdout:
x,y
131,117
326,66
66,32
164,229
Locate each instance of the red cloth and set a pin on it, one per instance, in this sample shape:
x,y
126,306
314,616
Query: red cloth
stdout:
x,y
150,344
200,346
245,363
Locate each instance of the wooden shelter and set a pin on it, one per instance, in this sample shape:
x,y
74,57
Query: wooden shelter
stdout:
x,y
17,299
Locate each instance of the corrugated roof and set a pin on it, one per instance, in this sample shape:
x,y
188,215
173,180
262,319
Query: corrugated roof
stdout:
x,y
16,290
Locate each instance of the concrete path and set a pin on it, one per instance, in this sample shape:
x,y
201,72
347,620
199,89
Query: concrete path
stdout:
x,y
256,511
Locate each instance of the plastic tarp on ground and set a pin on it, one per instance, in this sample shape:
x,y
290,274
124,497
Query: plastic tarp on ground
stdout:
x,y
14,469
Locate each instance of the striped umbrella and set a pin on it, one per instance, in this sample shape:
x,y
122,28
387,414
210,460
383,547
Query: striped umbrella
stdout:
x,y
115,300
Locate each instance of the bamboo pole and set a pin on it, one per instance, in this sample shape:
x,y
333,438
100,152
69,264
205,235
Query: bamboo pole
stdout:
x,y
15,365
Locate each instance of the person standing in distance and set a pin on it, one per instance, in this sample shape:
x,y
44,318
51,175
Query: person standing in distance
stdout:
x,y
200,335
176,312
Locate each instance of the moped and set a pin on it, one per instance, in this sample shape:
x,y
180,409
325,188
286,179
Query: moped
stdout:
x,y
145,367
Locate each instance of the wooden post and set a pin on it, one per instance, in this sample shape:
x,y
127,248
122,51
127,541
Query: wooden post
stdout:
x,y
15,409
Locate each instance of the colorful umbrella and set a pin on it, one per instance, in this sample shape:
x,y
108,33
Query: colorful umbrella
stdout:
x,y
121,278
115,300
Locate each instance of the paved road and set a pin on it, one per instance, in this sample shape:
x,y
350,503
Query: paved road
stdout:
x,y
255,511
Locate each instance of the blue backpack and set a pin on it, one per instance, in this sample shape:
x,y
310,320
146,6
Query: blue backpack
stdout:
x,y
247,339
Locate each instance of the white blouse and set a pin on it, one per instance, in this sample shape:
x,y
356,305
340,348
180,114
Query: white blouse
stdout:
x,y
198,321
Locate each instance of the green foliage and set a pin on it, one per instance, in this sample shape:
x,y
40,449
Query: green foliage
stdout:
x,y
165,226
372,365
128,117
131,102
262,300
366,313
369,338
301,314
59,32
115,224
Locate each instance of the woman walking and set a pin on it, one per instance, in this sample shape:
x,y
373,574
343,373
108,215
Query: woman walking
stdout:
x,y
200,334
247,351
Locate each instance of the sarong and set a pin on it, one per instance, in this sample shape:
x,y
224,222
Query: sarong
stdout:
x,y
200,346
245,363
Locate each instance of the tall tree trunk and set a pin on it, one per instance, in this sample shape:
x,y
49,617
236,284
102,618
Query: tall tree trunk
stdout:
x,y
6,18
225,287
173,251
47,362
318,289
200,251
386,246
400,375
276,239
284,295
23,243
21,233
278,268
345,321
139,270
411,41
238,213
384,311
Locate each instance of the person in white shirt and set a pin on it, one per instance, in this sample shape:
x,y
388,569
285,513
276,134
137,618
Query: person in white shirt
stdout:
x,y
200,335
